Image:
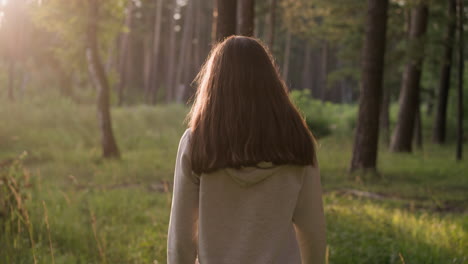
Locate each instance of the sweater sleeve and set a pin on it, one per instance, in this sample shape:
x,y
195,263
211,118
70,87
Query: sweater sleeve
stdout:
x,y
182,234
309,219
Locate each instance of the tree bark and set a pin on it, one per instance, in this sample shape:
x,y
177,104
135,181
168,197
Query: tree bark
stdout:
x,y
154,85
147,62
324,71
99,78
365,147
186,44
385,115
287,54
461,66
198,34
439,129
214,22
306,80
246,17
124,53
225,19
418,136
409,95
188,75
171,55
271,25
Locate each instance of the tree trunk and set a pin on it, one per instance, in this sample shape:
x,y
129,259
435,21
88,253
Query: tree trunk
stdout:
x,y
99,78
271,25
198,35
225,19
287,54
324,71
186,44
246,17
124,53
147,61
365,147
409,94
385,115
439,129
171,55
430,102
418,128
214,22
188,75
305,78
461,66
11,80
154,85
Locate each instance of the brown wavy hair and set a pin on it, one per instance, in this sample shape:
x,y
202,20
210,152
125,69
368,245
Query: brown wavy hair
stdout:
x,y
242,114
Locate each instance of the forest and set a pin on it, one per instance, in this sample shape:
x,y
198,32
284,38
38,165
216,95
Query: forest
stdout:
x,y
94,93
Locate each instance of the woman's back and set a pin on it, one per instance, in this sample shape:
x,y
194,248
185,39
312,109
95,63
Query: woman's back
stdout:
x,y
246,184
248,215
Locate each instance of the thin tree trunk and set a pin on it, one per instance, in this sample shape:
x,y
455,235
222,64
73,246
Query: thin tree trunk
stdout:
x,y
439,129
110,58
385,115
409,95
418,128
147,61
214,22
271,25
365,147
154,85
11,80
324,71
24,83
124,53
198,34
461,66
306,80
188,72
65,78
185,52
98,76
287,52
430,102
225,19
246,17
171,55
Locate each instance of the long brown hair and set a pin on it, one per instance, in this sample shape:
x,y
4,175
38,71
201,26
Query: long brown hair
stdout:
x,y
242,114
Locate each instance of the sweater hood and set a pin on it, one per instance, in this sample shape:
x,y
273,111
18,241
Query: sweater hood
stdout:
x,y
247,176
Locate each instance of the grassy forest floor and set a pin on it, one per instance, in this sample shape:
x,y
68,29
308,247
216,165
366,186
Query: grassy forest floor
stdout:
x,y
82,209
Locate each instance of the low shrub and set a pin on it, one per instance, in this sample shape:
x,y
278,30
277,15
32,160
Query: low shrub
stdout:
x,y
324,118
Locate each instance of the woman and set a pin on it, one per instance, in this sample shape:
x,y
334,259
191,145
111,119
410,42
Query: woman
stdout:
x,y
247,184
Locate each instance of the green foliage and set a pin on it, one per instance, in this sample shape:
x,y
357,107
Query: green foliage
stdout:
x,y
66,23
323,20
324,118
338,23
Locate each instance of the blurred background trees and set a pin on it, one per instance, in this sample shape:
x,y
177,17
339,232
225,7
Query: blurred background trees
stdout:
x,y
151,50
83,80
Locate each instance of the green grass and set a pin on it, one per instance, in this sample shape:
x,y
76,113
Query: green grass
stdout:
x,y
419,216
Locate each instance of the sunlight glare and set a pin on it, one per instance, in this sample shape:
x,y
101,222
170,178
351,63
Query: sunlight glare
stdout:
x,y
3,2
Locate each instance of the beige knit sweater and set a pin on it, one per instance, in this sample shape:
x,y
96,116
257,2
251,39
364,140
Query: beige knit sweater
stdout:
x,y
267,215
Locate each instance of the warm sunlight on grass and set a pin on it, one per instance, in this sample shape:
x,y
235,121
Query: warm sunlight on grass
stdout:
x,y
418,218
379,233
